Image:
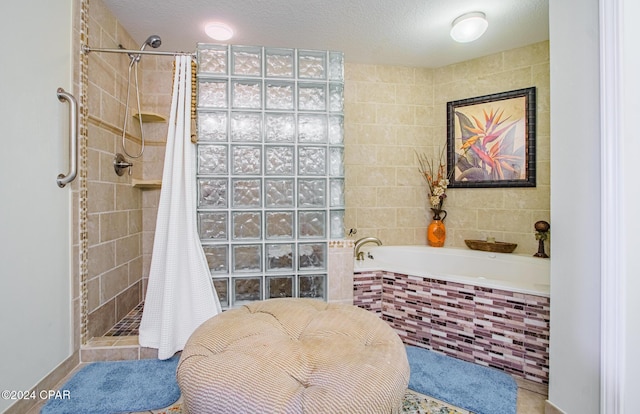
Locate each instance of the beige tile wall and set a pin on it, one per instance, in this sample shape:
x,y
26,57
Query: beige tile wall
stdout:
x,y
391,111
340,278
114,208
156,83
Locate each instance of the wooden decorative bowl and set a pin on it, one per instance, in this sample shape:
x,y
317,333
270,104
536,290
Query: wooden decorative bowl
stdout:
x,y
497,247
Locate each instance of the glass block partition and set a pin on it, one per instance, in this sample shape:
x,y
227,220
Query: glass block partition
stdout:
x,y
270,173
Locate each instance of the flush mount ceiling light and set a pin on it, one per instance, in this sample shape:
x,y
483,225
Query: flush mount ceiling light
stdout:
x,y
469,27
218,31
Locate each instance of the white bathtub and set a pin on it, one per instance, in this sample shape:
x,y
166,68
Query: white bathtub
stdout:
x,y
515,273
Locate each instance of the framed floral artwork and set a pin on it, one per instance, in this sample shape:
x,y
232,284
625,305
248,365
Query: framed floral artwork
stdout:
x,y
491,140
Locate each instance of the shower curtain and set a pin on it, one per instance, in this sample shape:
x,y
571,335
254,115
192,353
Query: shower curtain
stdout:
x,y
180,293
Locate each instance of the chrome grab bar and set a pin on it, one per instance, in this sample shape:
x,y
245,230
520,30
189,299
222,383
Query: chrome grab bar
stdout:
x,y
73,144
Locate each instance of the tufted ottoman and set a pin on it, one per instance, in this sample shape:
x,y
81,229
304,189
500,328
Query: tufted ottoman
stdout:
x,y
294,356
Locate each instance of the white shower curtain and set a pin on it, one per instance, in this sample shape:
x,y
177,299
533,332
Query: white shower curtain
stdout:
x,y
180,293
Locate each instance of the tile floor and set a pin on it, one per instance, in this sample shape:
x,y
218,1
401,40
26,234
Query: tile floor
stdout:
x,y
531,397
129,325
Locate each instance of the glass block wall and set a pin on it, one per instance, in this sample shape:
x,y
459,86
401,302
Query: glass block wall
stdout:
x,y
270,173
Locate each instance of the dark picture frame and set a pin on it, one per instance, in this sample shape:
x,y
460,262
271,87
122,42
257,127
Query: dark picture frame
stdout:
x,y
491,140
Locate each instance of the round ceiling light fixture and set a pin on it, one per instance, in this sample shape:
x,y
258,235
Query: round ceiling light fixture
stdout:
x,y
218,31
469,27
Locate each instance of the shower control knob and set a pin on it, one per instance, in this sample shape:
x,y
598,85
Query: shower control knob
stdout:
x,y
120,164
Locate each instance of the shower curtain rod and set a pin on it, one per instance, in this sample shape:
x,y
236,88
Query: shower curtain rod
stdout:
x,y
87,50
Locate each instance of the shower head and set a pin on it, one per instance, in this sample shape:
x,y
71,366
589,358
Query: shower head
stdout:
x,y
154,41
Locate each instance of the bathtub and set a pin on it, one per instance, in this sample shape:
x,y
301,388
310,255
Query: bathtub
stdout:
x,y
515,273
492,309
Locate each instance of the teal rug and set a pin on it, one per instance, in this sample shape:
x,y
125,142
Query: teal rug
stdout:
x,y
473,387
150,384
117,387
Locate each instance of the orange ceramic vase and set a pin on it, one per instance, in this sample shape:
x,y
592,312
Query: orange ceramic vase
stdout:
x,y
437,232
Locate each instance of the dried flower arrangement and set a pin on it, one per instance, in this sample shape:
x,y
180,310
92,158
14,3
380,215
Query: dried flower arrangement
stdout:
x,y
436,177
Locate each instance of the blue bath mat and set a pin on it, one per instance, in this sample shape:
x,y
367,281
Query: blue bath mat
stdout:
x,y
117,387
466,385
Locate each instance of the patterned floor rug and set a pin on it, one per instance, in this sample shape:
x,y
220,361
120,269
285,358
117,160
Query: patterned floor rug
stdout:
x,y
414,403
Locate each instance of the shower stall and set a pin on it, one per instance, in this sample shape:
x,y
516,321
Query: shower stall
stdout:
x,y
270,177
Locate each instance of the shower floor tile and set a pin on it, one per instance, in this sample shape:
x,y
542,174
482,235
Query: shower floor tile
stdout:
x,y
129,325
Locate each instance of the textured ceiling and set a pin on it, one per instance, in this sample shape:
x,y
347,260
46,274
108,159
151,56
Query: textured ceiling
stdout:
x,y
399,32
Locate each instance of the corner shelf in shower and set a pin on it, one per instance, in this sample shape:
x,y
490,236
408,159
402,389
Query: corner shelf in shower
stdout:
x,y
149,117
146,184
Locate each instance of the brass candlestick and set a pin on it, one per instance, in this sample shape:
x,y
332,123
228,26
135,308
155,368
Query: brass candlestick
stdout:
x,y
542,232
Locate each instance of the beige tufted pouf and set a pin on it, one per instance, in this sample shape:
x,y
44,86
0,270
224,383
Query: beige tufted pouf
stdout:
x,y
294,356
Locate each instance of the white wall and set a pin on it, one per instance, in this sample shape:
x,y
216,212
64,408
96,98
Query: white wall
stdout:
x,y
631,203
35,304
575,206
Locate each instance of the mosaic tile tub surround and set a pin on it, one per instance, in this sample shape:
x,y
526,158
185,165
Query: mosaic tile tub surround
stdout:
x,y
492,327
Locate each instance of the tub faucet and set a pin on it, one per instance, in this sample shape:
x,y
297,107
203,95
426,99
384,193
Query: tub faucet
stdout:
x,y
360,242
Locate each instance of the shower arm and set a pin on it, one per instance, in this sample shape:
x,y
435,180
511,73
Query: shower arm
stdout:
x,y
86,50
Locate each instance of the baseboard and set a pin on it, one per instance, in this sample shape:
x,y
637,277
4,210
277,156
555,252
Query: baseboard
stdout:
x,y
48,383
549,408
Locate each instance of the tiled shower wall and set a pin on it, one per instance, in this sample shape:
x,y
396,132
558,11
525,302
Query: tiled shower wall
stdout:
x,y
114,209
491,327
157,79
